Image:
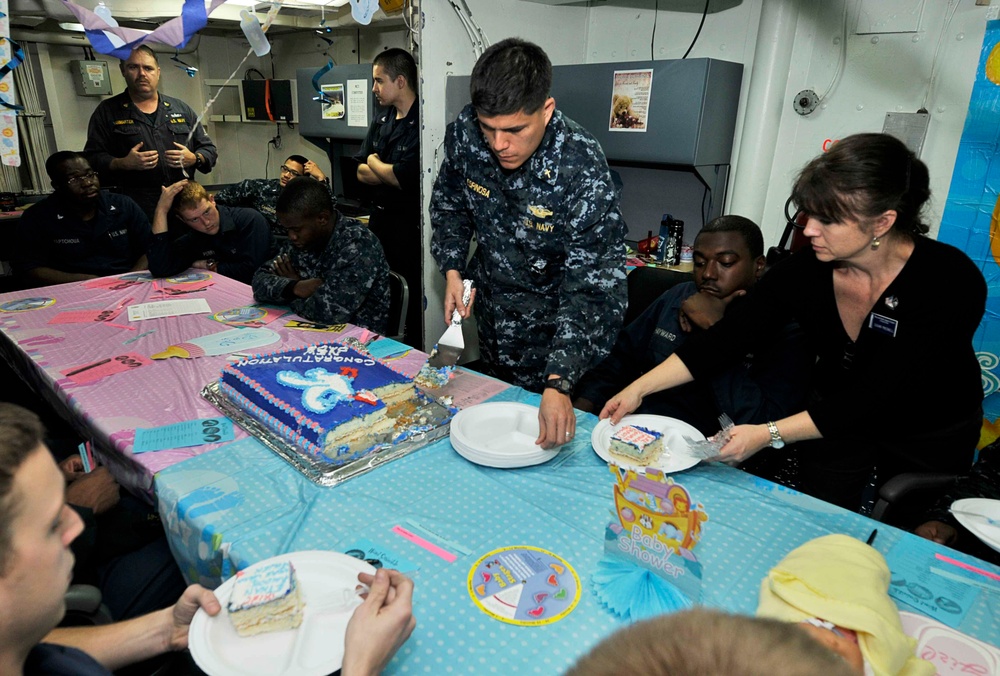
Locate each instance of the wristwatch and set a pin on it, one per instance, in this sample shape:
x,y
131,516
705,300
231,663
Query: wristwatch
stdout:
x,y
560,384
776,440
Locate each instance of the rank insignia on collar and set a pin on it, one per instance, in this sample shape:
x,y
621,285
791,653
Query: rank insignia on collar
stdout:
x,y
892,302
539,212
548,173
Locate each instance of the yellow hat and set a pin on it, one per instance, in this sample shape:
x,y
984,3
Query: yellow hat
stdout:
x,y
842,580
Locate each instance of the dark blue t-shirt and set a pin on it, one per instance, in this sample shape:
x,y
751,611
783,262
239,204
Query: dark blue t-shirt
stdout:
x,y
57,660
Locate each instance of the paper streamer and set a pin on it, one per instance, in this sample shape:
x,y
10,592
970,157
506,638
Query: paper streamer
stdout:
x,y
176,32
323,98
363,10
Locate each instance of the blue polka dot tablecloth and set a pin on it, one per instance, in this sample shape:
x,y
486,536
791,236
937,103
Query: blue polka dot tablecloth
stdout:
x,y
240,504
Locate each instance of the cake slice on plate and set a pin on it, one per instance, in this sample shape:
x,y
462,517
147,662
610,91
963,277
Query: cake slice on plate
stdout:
x,y
636,444
266,598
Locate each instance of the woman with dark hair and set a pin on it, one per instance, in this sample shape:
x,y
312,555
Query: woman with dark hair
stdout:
x,y
891,314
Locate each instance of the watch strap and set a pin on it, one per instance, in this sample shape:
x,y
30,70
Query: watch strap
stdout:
x,y
559,384
772,428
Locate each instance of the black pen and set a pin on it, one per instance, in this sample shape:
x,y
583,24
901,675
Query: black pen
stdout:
x,y
871,538
87,367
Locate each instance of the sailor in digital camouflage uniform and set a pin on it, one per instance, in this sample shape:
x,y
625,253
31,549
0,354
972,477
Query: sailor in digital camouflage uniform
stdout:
x,y
332,269
138,140
262,193
534,189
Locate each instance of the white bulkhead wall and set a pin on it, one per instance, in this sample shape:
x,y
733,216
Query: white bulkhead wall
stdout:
x,y
785,46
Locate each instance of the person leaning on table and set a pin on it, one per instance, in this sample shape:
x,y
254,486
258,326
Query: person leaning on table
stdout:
x,y
229,240
36,562
896,385
331,269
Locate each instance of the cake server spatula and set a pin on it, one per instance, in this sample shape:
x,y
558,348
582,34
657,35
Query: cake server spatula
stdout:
x,y
451,344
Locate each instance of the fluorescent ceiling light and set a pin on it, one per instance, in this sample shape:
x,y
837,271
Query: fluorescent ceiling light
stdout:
x,y
75,27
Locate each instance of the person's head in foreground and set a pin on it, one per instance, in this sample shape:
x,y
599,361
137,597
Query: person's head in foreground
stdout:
x,y
196,209
36,529
73,179
728,256
836,588
864,194
394,77
306,212
293,167
510,92
703,642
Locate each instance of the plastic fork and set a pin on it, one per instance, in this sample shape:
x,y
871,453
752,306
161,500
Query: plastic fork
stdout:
x,y
709,448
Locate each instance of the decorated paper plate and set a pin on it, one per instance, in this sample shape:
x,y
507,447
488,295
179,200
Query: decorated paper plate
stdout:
x,y
524,585
25,304
976,514
675,456
315,647
189,277
247,313
136,277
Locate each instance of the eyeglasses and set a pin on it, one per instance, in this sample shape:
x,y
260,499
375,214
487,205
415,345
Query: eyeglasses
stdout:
x,y
286,170
77,180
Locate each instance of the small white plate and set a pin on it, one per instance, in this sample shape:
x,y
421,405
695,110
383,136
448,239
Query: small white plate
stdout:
x,y
499,434
675,456
315,647
989,534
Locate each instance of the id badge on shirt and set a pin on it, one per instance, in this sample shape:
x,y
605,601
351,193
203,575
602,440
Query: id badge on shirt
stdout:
x,y
882,324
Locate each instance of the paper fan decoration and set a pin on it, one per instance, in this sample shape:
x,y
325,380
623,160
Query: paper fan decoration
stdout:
x,y
635,593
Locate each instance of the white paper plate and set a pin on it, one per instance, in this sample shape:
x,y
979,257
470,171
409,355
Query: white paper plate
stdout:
x,y
499,434
986,532
315,647
675,456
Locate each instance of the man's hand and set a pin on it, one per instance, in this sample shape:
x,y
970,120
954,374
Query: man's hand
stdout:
x,y
937,531
206,264
380,625
283,267
307,287
312,170
137,160
167,195
453,297
180,157
72,468
97,491
702,310
183,611
556,420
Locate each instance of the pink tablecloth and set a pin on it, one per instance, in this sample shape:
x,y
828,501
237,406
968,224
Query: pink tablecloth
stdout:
x,y
110,409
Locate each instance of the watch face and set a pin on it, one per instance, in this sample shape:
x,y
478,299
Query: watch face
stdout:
x,y
560,385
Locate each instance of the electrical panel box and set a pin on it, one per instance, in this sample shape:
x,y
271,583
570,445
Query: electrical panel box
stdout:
x,y
91,78
268,100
